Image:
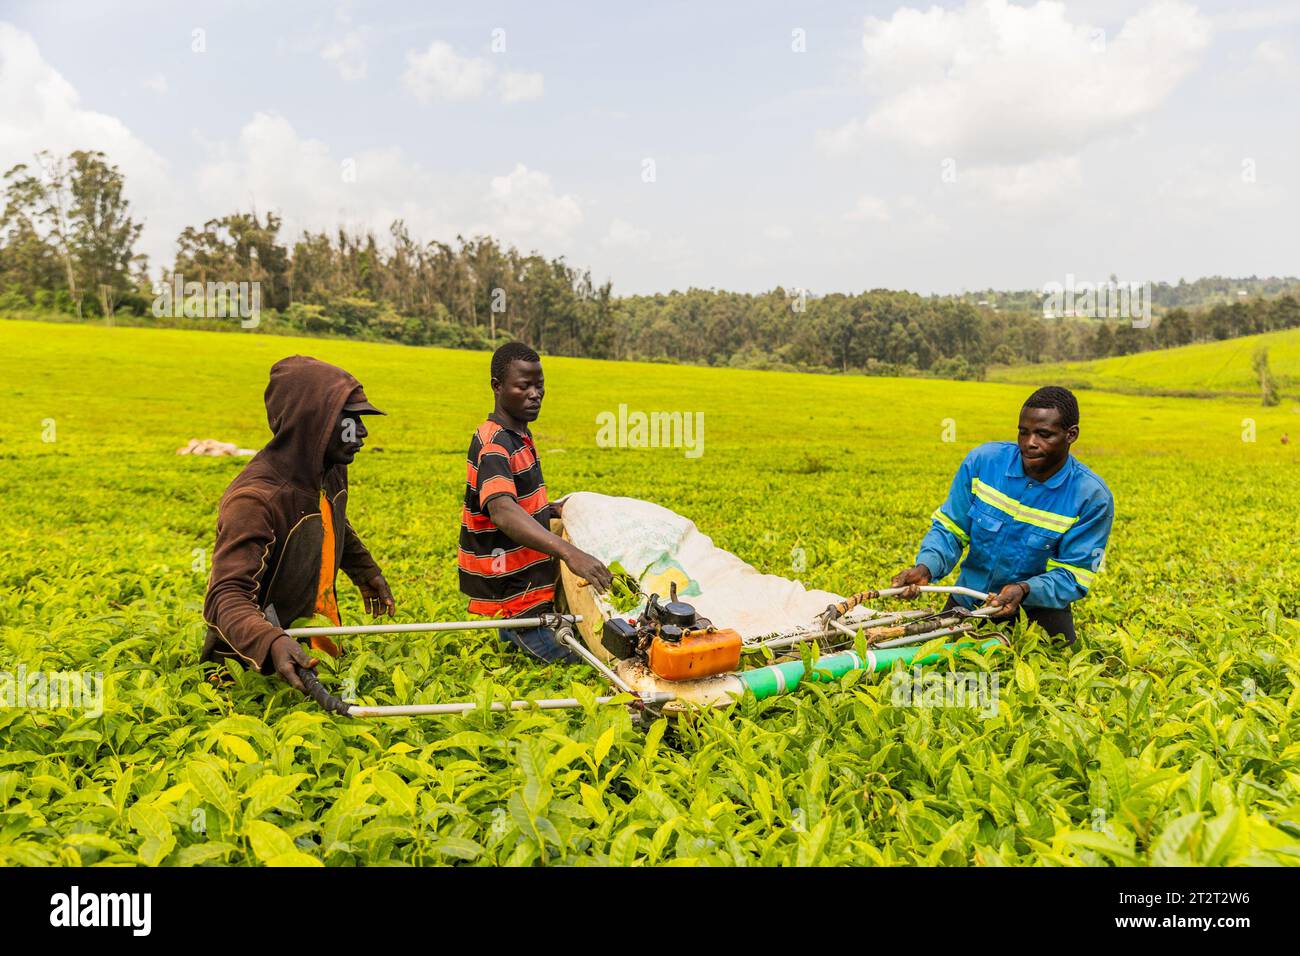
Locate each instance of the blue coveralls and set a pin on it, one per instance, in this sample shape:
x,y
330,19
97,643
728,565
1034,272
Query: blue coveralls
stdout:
x,y
1048,534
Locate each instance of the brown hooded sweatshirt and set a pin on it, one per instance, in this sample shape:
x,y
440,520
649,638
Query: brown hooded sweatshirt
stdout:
x,y
269,529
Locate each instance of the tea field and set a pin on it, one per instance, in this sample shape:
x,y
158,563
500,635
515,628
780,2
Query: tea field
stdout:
x,y
1207,369
1170,736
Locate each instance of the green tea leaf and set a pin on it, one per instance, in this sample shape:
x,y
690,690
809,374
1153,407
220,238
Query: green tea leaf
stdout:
x,y
395,790
267,792
268,841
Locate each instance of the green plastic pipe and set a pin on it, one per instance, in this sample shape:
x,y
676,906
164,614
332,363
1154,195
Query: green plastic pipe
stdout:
x,y
777,679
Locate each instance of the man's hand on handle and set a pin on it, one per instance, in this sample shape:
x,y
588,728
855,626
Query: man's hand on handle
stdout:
x,y
1009,599
285,653
377,596
911,579
585,566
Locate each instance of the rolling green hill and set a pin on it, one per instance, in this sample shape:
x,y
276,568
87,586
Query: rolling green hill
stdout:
x,y
1206,369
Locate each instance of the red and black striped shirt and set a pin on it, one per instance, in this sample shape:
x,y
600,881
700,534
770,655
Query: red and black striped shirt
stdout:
x,y
500,577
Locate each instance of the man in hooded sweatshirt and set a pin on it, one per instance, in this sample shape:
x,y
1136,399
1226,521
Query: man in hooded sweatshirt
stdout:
x,y
282,528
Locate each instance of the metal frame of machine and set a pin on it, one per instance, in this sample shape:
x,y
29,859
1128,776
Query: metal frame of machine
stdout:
x,y
633,655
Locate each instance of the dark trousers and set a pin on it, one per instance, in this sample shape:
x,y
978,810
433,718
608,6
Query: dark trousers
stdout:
x,y
540,642
1056,621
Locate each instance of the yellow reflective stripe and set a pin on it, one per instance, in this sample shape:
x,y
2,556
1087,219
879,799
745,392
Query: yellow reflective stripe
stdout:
x,y
1035,516
1082,575
951,525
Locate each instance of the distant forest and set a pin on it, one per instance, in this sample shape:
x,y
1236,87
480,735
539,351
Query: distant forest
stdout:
x,y
68,250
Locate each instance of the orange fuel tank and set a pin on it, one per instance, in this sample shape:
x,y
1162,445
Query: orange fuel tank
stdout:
x,y
697,654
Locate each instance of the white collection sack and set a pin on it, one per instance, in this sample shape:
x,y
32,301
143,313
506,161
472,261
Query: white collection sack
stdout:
x,y
660,547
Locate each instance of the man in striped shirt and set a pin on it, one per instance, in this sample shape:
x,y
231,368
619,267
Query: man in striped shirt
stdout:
x,y
507,551
1033,519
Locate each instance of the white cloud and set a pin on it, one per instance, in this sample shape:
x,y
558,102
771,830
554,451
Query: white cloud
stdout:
x,y
1027,184
40,110
869,209
777,233
1271,53
347,55
1257,17
517,87
1272,58
272,167
524,207
1211,184
157,83
844,140
622,233
439,73
996,83
920,220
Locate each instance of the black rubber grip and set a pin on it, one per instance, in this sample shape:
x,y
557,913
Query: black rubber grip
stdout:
x,y
317,692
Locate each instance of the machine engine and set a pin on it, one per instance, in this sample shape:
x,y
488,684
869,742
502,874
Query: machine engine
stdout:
x,y
673,640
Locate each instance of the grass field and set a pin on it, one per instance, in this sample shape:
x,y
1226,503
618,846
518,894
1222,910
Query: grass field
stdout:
x,y
1210,369
1172,735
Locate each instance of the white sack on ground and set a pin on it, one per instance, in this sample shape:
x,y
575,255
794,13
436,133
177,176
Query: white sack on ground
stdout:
x,y
212,447
647,539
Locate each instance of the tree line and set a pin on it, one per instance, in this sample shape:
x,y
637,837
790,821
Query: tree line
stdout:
x,y
1202,292
67,246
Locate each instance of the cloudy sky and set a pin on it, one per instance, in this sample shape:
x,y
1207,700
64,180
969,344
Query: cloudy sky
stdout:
x,y
833,146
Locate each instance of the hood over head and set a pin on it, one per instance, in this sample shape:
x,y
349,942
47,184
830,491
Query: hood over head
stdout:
x,y
303,401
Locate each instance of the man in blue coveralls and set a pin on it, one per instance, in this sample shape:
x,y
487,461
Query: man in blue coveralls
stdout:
x,y
1035,518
